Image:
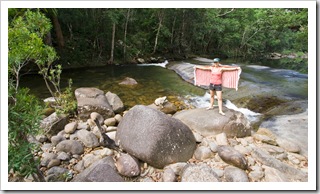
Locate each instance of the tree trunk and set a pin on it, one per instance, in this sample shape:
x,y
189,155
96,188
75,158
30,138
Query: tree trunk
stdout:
x,y
160,16
125,34
112,42
58,31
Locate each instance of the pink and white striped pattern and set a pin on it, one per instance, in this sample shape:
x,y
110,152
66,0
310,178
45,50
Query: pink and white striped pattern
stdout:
x,y
230,79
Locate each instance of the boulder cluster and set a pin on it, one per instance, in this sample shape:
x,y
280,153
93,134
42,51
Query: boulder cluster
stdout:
x,y
195,145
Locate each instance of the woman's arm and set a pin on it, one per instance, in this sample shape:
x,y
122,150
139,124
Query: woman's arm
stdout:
x,y
201,67
229,68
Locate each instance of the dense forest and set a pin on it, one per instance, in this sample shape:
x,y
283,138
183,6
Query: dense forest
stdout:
x,y
84,37
55,39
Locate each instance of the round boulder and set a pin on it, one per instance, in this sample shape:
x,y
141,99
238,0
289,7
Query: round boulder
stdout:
x,y
155,137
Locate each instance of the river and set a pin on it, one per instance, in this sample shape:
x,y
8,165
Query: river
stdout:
x,y
175,80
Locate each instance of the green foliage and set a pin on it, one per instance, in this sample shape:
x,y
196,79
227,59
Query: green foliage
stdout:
x,y
26,45
24,116
228,32
67,102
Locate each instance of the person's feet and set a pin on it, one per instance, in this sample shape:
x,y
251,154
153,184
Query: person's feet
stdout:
x,y
222,113
210,108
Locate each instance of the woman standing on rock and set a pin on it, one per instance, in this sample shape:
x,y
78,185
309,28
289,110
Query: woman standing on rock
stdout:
x,y
216,81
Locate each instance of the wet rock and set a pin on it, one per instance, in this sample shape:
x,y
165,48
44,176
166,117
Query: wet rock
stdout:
x,y
128,81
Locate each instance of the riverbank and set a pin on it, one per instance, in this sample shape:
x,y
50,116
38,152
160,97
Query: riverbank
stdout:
x,y
74,153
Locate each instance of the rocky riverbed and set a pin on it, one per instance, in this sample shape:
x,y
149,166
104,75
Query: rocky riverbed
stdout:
x,y
166,147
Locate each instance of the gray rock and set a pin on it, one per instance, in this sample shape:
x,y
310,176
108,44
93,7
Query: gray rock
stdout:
x,y
222,139
63,156
118,118
57,139
53,124
92,100
70,127
203,153
154,137
265,139
169,175
266,159
58,174
54,162
256,174
89,159
167,108
41,138
101,171
208,123
46,158
110,122
231,156
89,139
274,175
177,167
115,102
72,146
288,145
128,81
198,173
128,165
233,174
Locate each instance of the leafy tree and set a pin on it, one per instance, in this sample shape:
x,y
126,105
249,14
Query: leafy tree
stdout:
x,y
24,115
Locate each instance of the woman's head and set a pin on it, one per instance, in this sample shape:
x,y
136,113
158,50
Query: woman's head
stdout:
x,y
216,60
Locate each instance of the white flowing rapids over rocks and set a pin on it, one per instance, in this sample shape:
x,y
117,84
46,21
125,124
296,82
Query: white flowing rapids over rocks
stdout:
x,y
155,64
204,101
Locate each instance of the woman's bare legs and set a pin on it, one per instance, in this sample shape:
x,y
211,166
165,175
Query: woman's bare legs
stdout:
x,y
219,95
211,100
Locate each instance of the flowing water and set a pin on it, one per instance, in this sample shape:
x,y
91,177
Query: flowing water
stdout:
x,y
156,80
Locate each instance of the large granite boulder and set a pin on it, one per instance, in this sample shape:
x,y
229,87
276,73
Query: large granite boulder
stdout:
x,y
210,122
155,137
92,100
